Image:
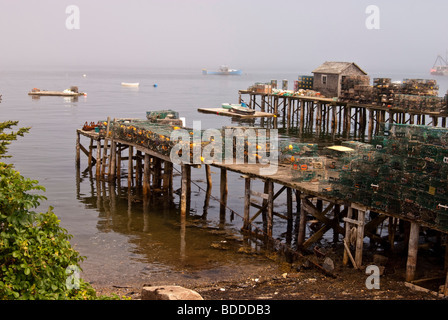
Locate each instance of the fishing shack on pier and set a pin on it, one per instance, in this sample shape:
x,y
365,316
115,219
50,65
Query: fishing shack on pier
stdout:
x,y
328,76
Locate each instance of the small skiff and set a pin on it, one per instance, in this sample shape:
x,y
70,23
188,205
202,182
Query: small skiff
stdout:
x,y
130,84
242,110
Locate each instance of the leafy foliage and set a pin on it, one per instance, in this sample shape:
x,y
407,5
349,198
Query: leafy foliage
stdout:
x,y
7,137
35,251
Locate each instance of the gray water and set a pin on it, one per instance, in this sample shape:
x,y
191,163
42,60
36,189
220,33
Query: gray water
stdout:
x,y
124,244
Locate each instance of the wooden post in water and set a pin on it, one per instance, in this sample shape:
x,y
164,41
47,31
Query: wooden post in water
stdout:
x,y
334,120
223,193
246,224
167,175
130,165
208,176
157,169
411,264
348,120
98,158
105,148
186,176
319,117
90,154
146,176
138,168
275,112
434,121
170,178
289,120
78,150
370,130
302,115
112,161
118,165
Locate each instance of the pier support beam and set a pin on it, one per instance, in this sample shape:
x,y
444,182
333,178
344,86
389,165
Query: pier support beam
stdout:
x,y
185,189
78,150
130,165
246,224
112,161
223,194
302,223
270,211
354,236
98,158
411,264
146,176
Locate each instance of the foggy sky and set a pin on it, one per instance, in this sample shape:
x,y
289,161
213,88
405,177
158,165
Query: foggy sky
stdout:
x,y
277,34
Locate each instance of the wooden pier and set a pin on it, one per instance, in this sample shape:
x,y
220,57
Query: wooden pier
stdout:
x,y
107,156
320,114
229,113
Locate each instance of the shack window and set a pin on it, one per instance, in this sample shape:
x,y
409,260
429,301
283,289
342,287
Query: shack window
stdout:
x,y
324,79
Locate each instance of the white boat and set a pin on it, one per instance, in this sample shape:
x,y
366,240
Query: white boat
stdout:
x,y
130,84
242,110
223,70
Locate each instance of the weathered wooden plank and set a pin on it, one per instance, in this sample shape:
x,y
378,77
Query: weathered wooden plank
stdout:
x,y
259,194
226,112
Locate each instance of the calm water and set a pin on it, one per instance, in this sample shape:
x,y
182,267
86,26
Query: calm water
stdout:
x,y
122,242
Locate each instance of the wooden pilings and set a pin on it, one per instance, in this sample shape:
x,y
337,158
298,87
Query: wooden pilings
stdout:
x,y
411,264
153,175
324,115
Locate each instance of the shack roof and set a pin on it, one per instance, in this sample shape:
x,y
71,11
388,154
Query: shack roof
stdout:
x,y
335,67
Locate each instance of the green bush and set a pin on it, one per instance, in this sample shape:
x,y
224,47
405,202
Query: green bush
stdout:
x,y
36,258
35,251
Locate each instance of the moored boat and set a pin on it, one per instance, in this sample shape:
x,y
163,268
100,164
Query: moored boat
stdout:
x,y
130,84
242,110
223,70
72,92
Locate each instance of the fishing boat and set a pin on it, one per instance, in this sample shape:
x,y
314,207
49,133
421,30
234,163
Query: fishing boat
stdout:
x,y
229,106
130,84
440,67
223,70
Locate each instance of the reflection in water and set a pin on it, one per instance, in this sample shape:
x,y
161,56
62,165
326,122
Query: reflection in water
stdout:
x,y
163,240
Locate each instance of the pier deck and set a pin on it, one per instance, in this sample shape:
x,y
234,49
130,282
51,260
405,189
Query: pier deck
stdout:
x,y
154,171
226,112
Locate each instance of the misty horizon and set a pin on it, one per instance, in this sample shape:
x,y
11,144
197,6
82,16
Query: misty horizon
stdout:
x,y
249,35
